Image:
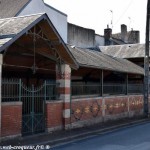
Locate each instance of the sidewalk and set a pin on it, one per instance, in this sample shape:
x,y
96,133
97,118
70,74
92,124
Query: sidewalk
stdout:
x,y
59,137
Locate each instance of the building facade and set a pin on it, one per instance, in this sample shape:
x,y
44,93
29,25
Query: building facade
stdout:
x,y
48,85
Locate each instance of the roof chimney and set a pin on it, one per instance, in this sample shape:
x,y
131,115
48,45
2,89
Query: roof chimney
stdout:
x,y
134,37
107,35
124,32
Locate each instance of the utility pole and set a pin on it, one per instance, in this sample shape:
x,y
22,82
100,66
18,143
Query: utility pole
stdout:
x,y
146,63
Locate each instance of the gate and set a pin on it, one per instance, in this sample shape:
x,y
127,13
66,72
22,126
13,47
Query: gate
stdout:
x,y
33,99
33,109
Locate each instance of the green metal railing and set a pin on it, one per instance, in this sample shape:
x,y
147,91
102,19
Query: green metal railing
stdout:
x,y
11,90
108,89
15,90
114,89
135,88
89,89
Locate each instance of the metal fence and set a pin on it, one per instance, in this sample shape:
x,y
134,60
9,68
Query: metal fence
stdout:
x,y
89,89
135,88
13,90
114,89
107,89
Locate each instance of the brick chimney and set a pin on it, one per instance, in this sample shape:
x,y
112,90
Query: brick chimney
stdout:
x,y
124,32
107,35
134,37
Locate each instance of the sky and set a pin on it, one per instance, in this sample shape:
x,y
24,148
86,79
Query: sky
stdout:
x,y
96,14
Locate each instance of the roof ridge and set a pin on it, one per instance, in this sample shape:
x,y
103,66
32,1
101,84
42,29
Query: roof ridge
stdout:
x,y
123,45
100,60
23,16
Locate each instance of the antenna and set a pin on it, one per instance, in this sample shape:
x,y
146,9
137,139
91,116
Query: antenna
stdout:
x,y
111,18
129,22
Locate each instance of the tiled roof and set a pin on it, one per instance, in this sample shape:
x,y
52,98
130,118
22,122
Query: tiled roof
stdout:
x,y
13,28
10,27
95,59
9,8
124,51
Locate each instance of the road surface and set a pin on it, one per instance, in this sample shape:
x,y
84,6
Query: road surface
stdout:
x,y
130,138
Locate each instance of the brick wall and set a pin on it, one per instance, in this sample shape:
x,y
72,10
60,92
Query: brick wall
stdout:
x,y
84,111
11,119
87,111
54,117
135,105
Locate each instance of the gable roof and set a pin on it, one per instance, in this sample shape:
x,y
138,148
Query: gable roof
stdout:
x,y
9,8
13,28
95,59
124,51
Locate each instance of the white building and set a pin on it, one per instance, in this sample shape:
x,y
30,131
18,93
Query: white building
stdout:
x,y
27,7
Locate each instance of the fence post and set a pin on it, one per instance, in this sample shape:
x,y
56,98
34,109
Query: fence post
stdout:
x,y
20,90
127,84
32,108
102,84
45,90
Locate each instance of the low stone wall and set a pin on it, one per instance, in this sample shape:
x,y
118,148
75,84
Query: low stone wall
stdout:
x,y
11,123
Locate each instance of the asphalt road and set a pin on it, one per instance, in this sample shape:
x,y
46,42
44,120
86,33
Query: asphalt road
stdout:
x,y
131,138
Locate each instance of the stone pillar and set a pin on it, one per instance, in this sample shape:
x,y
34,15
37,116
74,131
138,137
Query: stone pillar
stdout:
x,y
1,62
63,77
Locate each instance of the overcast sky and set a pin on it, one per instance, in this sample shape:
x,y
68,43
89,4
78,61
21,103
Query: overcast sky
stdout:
x,y
96,14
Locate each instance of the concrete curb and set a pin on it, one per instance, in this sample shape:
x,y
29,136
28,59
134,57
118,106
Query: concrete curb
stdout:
x,y
82,136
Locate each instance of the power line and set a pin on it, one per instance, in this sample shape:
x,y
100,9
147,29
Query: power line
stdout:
x,y
124,12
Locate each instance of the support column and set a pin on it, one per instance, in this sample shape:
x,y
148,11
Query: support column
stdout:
x,y
1,62
102,83
126,84
63,77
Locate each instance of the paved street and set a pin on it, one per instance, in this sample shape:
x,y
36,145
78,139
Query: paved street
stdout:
x,y
132,138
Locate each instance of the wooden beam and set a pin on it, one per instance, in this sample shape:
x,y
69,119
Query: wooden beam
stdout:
x,y
38,51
